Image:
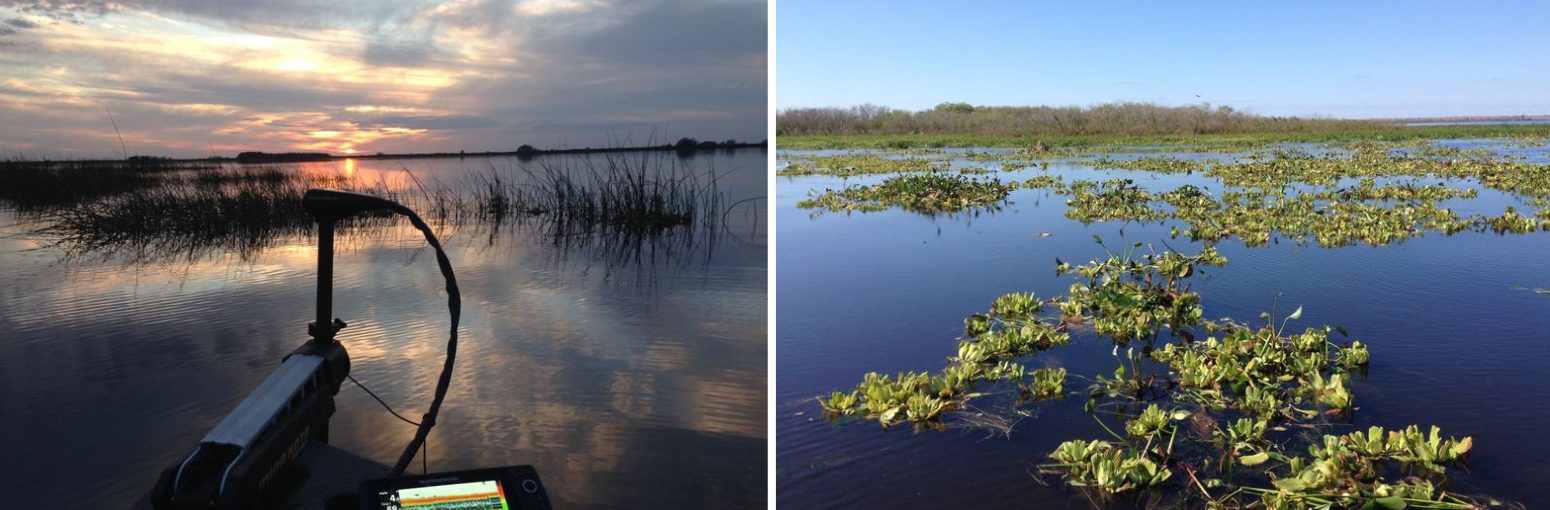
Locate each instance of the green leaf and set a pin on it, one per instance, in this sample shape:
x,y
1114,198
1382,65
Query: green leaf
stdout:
x,y
1290,484
887,416
1098,240
1295,315
1463,446
1255,459
1391,502
1342,331
1180,414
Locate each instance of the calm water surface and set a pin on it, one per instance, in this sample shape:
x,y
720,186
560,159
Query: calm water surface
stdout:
x,y
627,381
1457,338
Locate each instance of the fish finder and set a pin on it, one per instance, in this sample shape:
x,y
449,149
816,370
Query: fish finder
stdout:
x,y
507,488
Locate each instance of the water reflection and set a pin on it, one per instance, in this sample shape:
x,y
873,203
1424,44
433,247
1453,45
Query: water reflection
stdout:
x,y
129,347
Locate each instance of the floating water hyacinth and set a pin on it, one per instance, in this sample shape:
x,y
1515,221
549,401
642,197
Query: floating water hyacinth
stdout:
x,y
860,164
1223,421
925,193
1287,193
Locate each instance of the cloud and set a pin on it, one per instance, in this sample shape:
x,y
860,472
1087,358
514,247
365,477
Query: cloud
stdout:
x,y
412,76
438,122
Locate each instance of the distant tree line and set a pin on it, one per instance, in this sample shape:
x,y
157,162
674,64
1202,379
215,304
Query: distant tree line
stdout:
x,y
281,157
1134,119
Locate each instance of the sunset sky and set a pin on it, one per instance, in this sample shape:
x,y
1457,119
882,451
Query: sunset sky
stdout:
x,y
192,78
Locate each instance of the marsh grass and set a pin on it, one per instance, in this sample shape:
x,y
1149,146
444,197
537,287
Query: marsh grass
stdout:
x,y
173,222
36,185
631,209
645,194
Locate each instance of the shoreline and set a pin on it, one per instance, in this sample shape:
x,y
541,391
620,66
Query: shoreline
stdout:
x,y
275,158
1387,134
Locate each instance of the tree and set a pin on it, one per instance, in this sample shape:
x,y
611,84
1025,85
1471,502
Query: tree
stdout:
x,y
955,107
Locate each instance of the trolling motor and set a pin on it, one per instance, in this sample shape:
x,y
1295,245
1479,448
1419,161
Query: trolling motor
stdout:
x,y
240,459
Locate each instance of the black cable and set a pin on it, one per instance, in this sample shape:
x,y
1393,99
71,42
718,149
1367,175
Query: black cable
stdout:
x,y
455,307
379,401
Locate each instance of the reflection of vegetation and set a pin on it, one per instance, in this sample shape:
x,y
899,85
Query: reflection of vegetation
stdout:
x,y
926,193
1220,421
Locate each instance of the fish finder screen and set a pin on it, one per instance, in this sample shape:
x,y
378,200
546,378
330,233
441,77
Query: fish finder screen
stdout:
x,y
485,495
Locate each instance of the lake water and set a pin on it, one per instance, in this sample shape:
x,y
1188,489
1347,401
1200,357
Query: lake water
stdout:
x,y
1457,337
631,373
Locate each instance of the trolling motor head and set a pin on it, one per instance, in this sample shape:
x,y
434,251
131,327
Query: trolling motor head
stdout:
x,y
327,207
241,457
330,205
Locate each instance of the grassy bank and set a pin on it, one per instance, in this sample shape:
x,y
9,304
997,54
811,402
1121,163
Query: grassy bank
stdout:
x,y
1388,133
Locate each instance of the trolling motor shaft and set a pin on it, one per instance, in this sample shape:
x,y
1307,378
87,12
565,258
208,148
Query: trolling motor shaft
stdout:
x,y
239,459
327,207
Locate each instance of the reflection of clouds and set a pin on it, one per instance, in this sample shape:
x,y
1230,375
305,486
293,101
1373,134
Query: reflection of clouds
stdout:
x,y
619,395
187,77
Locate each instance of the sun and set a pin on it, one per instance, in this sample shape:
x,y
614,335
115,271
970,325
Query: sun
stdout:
x,y
295,65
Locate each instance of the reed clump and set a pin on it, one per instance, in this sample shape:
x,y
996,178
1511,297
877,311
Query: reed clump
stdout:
x,y
645,194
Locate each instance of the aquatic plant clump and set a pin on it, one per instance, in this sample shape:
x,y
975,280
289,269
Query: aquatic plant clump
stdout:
x,y
1263,197
927,193
861,164
1222,421
1167,165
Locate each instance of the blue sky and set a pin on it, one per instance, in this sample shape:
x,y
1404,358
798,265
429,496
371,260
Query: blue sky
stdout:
x,y
1337,59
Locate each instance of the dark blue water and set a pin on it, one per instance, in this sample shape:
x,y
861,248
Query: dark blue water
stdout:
x,y
1458,340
